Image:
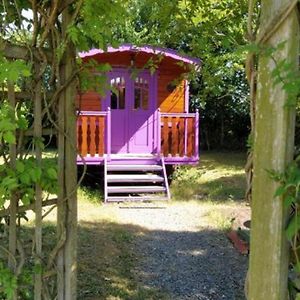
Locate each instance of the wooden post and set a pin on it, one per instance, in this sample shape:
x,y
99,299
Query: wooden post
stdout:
x,y
158,138
61,210
67,198
273,149
70,251
196,150
185,135
38,189
12,243
108,134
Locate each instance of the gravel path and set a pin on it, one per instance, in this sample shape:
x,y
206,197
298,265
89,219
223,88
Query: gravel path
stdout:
x,y
182,254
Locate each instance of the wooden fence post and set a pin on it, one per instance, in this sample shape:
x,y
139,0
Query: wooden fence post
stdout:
x,y
273,149
67,176
12,243
38,190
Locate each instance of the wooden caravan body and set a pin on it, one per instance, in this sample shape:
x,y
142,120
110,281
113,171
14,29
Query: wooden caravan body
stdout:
x,y
143,118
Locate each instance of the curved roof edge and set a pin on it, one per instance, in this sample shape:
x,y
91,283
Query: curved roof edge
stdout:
x,y
148,49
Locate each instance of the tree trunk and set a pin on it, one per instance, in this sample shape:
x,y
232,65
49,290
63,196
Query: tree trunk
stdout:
x,y
273,149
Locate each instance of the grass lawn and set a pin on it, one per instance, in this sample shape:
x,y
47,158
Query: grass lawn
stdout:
x,y
219,177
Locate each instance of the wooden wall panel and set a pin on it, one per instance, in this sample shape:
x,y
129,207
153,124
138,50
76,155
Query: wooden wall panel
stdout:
x,y
170,101
169,70
90,101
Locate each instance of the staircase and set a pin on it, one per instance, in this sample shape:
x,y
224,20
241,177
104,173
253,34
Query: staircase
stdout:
x,y
138,180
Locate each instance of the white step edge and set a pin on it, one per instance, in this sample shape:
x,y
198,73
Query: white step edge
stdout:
x,y
134,178
135,198
134,168
135,189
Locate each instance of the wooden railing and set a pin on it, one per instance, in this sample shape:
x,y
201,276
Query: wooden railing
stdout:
x,y
93,133
179,134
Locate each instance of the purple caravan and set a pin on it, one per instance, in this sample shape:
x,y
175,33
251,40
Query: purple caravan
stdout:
x,y
141,124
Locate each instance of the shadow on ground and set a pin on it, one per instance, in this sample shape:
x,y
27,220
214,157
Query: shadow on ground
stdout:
x,y
130,262
222,189
133,263
231,160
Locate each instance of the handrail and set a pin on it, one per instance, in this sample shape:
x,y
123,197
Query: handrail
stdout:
x,y
180,134
185,115
197,133
158,122
92,113
106,134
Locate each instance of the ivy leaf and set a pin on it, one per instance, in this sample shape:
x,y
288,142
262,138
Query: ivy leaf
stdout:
x,y
279,191
20,167
26,199
35,174
52,173
25,178
297,267
288,201
9,137
293,227
9,183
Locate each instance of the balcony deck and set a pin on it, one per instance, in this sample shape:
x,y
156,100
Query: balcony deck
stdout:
x,y
177,136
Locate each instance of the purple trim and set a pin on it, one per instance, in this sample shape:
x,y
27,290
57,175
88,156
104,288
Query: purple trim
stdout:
x,y
186,96
183,115
105,181
92,113
108,133
166,178
132,161
185,135
147,49
158,137
197,134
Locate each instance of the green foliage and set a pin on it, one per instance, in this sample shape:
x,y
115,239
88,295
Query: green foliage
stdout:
x,y
95,81
96,22
289,191
213,31
24,178
8,282
13,70
7,124
289,77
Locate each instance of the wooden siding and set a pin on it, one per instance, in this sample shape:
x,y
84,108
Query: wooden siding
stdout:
x,y
89,101
170,101
169,71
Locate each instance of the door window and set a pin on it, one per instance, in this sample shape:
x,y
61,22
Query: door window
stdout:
x,y
117,94
141,94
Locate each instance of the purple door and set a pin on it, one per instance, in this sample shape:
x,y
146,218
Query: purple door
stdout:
x,y
132,102
141,114
117,101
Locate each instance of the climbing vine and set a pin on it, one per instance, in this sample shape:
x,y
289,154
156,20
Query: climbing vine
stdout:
x,y
39,74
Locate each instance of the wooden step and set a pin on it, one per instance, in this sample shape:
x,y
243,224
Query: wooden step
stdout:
x,y
134,167
135,189
134,178
135,198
